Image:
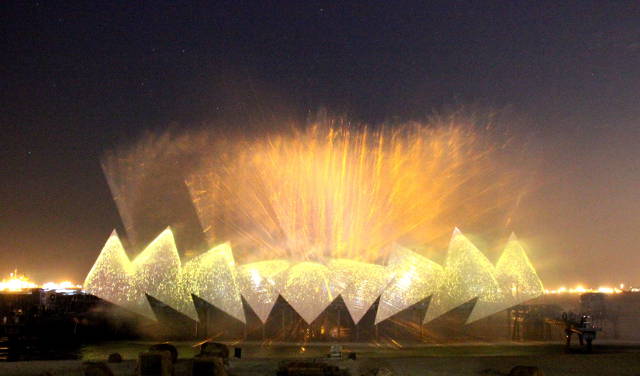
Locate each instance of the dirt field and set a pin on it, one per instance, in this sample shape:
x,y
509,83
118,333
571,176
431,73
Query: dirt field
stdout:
x,y
443,360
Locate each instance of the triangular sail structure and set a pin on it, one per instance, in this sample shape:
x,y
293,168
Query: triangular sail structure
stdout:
x,y
260,284
516,274
111,279
362,283
158,273
309,288
415,278
468,274
212,277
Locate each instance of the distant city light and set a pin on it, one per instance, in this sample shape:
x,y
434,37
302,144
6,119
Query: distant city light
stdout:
x,y
17,282
65,285
579,289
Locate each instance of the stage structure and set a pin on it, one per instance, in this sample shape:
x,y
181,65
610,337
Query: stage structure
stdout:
x,y
325,218
310,287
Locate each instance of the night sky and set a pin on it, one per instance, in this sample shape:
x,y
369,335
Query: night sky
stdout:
x,y
79,78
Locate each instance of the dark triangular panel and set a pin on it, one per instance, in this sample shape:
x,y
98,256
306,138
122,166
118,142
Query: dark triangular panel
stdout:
x,y
171,324
404,325
215,324
452,325
284,323
254,328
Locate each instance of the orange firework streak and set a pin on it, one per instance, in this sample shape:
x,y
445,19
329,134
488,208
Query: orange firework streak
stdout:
x,y
339,192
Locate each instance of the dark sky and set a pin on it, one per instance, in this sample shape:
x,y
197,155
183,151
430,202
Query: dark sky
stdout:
x,y
79,78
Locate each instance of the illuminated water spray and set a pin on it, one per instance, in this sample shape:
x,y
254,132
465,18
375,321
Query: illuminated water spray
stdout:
x,y
315,213
339,192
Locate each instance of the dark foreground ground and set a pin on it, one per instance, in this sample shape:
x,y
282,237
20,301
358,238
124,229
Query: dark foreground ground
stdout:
x,y
476,359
